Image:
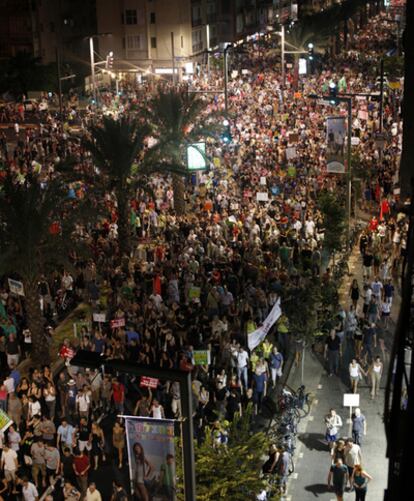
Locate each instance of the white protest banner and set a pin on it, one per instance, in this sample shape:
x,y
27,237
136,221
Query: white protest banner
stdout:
x,y
99,317
262,197
291,153
263,180
257,336
16,287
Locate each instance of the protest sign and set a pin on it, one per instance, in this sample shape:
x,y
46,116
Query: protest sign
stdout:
x,y
262,197
148,382
201,357
77,327
99,317
151,441
5,421
117,322
16,287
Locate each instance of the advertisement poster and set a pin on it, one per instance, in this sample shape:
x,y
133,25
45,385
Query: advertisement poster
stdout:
x,y
335,150
151,457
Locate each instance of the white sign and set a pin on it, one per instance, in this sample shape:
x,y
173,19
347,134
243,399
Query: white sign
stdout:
x,y
16,287
351,400
291,153
355,141
196,156
257,336
262,197
99,317
263,180
302,66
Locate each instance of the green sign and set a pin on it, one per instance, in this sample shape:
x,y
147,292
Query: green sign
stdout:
x,y
77,327
5,421
194,293
196,156
201,357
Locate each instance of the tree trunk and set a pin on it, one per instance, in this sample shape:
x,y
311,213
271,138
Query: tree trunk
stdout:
x,y
36,324
407,157
124,233
179,200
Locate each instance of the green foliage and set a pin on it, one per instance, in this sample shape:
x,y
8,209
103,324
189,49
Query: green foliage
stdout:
x,y
23,73
229,471
300,304
334,216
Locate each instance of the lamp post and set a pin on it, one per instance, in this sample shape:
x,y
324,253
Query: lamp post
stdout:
x,y
226,78
92,56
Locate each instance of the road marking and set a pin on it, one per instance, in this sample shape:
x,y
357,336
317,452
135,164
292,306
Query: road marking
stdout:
x,y
311,418
319,387
294,475
316,401
300,455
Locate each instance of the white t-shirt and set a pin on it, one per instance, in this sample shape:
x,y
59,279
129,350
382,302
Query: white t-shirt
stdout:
x,y
9,459
93,496
242,358
30,492
83,402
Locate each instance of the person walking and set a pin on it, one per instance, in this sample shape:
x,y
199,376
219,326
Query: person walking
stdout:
x,y
338,478
276,365
359,426
355,374
359,481
353,457
333,352
375,371
333,422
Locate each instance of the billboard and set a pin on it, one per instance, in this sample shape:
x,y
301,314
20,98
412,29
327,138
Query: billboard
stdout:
x,y
196,156
335,148
151,458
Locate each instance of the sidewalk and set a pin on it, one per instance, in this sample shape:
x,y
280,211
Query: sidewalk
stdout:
x,y
312,460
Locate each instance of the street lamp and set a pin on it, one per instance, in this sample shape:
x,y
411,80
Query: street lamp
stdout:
x,y
227,46
92,57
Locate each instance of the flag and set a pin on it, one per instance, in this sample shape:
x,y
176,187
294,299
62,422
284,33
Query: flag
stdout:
x,y
257,336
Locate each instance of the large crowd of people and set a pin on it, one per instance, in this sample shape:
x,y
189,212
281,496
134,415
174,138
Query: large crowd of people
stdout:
x,y
203,281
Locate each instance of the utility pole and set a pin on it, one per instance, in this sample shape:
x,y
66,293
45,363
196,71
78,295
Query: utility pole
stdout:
x,y
381,110
282,55
173,57
208,50
226,79
92,56
349,167
59,81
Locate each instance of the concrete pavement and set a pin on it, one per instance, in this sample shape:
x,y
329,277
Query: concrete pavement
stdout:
x,y
312,460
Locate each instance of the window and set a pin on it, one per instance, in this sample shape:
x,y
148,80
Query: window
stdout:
x,y
152,18
153,42
197,39
134,42
130,16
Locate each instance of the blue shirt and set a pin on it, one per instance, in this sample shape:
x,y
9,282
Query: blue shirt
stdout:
x,y
276,360
15,374
259,382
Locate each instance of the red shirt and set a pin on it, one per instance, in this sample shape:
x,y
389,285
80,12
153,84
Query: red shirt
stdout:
x,y
81,463
118,394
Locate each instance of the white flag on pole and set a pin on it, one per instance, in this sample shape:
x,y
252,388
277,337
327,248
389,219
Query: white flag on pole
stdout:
x,y
257,336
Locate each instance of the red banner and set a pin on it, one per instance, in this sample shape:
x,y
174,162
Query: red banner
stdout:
x,y
148,382
118,322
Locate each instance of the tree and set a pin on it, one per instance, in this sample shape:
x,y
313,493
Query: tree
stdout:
x,y
229,471
37,222
115,146
177,119
333,214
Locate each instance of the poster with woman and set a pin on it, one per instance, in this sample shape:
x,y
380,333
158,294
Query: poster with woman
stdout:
x,y
151,458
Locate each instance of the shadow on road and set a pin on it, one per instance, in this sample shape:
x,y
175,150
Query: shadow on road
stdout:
x,y
317,489
314,441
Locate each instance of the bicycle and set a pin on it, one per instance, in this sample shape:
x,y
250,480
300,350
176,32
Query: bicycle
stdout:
x,y
296,402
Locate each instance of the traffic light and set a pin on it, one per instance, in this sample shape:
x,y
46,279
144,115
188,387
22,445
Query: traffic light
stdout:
x,y
332,92
109,61
226,134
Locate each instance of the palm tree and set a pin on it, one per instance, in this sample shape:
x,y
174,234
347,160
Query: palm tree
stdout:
x,y
115,146
177,118
30,246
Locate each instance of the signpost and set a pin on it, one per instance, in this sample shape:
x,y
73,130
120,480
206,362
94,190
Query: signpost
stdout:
x,y
16,287
351,400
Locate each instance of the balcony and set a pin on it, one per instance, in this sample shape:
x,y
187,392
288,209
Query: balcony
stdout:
x,y
197,47
196,22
